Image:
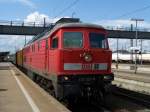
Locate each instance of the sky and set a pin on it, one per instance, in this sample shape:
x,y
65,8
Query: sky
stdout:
x,y
116,13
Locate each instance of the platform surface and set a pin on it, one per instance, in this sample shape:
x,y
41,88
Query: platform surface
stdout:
x,y
19,94
127,78
124,71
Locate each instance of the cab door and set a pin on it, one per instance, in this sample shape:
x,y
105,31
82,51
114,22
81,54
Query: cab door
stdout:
x,y
47,55
53,55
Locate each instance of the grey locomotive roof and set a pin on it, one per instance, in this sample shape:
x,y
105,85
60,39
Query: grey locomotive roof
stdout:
x,y
68,25
72,25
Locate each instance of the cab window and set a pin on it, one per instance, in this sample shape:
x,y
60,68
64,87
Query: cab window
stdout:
x,y
46,44
97,40
38,45
73,40
55,43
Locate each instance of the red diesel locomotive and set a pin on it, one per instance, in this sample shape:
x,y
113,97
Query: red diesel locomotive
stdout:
x,y
71,60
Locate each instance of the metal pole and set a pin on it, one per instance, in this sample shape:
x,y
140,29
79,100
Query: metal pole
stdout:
x,y
141,50
11,23
136,50
25,40
117,54
131,44
44,22
136,37
23,23
73,14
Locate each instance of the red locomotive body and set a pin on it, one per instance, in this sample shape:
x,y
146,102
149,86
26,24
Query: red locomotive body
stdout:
x,y
72,59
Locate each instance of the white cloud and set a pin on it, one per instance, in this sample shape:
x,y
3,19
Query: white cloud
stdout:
x,y
39,18
122,43
12,43
123,23
118,23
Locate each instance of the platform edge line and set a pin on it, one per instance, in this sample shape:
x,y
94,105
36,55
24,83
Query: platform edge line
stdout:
x,y
27,96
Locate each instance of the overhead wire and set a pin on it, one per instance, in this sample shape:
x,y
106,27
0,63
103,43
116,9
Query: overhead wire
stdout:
x,y
134,11
66,9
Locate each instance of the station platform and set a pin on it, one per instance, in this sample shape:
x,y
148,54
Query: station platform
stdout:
x,y
20,94
126,78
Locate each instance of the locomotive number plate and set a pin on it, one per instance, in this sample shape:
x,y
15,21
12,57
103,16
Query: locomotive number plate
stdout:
x,y
80,66
86,66
97,66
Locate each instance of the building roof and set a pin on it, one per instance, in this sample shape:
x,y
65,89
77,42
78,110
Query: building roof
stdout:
x,y
2,54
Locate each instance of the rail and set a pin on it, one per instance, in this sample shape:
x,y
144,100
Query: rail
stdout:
x,y
139,98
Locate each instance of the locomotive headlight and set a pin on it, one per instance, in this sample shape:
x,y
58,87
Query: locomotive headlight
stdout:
x,y
107,77
66,78
88,57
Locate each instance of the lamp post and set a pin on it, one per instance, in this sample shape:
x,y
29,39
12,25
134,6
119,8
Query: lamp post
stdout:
x,y
73,14
136,37
25,40
117,64
141,50
117,54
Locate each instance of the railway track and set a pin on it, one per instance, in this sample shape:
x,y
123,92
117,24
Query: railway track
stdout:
x,y
84,106
101,108
138,98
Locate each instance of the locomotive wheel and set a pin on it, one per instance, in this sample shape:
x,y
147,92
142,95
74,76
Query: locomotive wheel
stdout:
x,y
51,91
45,84
69,102
98,96
65,102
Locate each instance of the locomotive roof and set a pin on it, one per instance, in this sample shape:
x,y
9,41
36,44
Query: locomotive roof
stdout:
x,y
68,25
71,25
64,25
